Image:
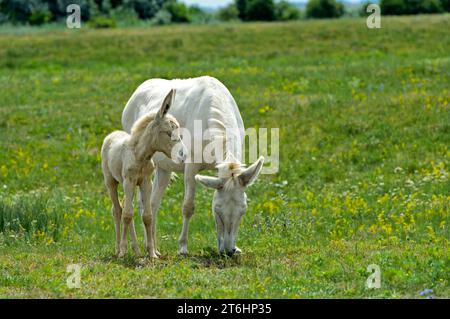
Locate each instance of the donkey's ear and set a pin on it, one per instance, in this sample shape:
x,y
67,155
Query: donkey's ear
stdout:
x,y
208,181
166,104
249,175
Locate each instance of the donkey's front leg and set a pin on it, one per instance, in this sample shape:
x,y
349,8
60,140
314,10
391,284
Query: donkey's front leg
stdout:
x,y
147,219
188,205
160,183
127,216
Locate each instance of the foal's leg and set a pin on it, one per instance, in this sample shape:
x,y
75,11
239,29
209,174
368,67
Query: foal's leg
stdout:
x,y
134,241
146,188
160,183
188,205
111,184
128,188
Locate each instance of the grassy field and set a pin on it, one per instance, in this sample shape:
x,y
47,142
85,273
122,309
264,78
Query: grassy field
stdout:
x,y
364,159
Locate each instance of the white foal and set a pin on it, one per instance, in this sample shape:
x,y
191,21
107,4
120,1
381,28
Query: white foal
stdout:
x,y
127,158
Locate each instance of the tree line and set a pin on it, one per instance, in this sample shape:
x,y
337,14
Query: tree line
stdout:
x,y
105,13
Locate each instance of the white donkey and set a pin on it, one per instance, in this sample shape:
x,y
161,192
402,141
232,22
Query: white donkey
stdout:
x,y
126,159
205,101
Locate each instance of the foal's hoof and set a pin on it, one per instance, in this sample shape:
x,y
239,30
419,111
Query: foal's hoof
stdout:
x,y
137,252
152,255
121,254
237,250
157,253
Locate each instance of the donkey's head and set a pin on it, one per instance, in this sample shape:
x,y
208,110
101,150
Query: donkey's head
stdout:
x,y
166,132
230,201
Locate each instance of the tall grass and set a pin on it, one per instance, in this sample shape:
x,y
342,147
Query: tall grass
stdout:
x,y
30,217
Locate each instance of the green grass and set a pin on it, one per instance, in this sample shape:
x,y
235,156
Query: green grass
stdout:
x,y
364,159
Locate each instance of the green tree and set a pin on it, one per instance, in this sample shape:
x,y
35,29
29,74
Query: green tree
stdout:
x,y
19,11
261,10
324,9
256,10
241,6
445,4
422,6
228,13
179,11
399,7
285,11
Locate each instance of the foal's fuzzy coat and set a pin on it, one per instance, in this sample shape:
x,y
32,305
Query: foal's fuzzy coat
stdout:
x,y
126,159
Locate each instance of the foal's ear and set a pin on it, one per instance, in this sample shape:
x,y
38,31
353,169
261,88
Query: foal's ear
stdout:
x,y
166,104
249,175
208,181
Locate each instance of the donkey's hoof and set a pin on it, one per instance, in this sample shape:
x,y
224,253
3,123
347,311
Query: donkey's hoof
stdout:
x,y
157,253
183,251
121,254
237,250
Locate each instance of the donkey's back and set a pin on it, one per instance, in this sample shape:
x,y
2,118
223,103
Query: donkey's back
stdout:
x,y
203,99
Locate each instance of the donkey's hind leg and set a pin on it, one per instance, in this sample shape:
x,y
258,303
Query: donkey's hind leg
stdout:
x,y
116,209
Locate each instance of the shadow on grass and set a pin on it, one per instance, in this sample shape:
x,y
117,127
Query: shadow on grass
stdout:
x,y
207,258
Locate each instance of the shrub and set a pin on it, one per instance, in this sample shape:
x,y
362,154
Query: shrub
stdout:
x,y
241,6
363,9
3,18
400,7
162,17
256,10
324,9
197,15
124,16
146,9
445,4
421,6
392,7
228,13
39,17
179,11
18,10
102,22
261,10
285,11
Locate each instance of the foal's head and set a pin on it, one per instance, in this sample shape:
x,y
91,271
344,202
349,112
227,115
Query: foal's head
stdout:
x,y
164,132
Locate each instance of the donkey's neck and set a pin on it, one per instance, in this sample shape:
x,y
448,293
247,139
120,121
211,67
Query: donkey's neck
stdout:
x,y
142,145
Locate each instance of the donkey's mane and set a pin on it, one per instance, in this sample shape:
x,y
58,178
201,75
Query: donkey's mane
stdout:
x,y
218,129
139,127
